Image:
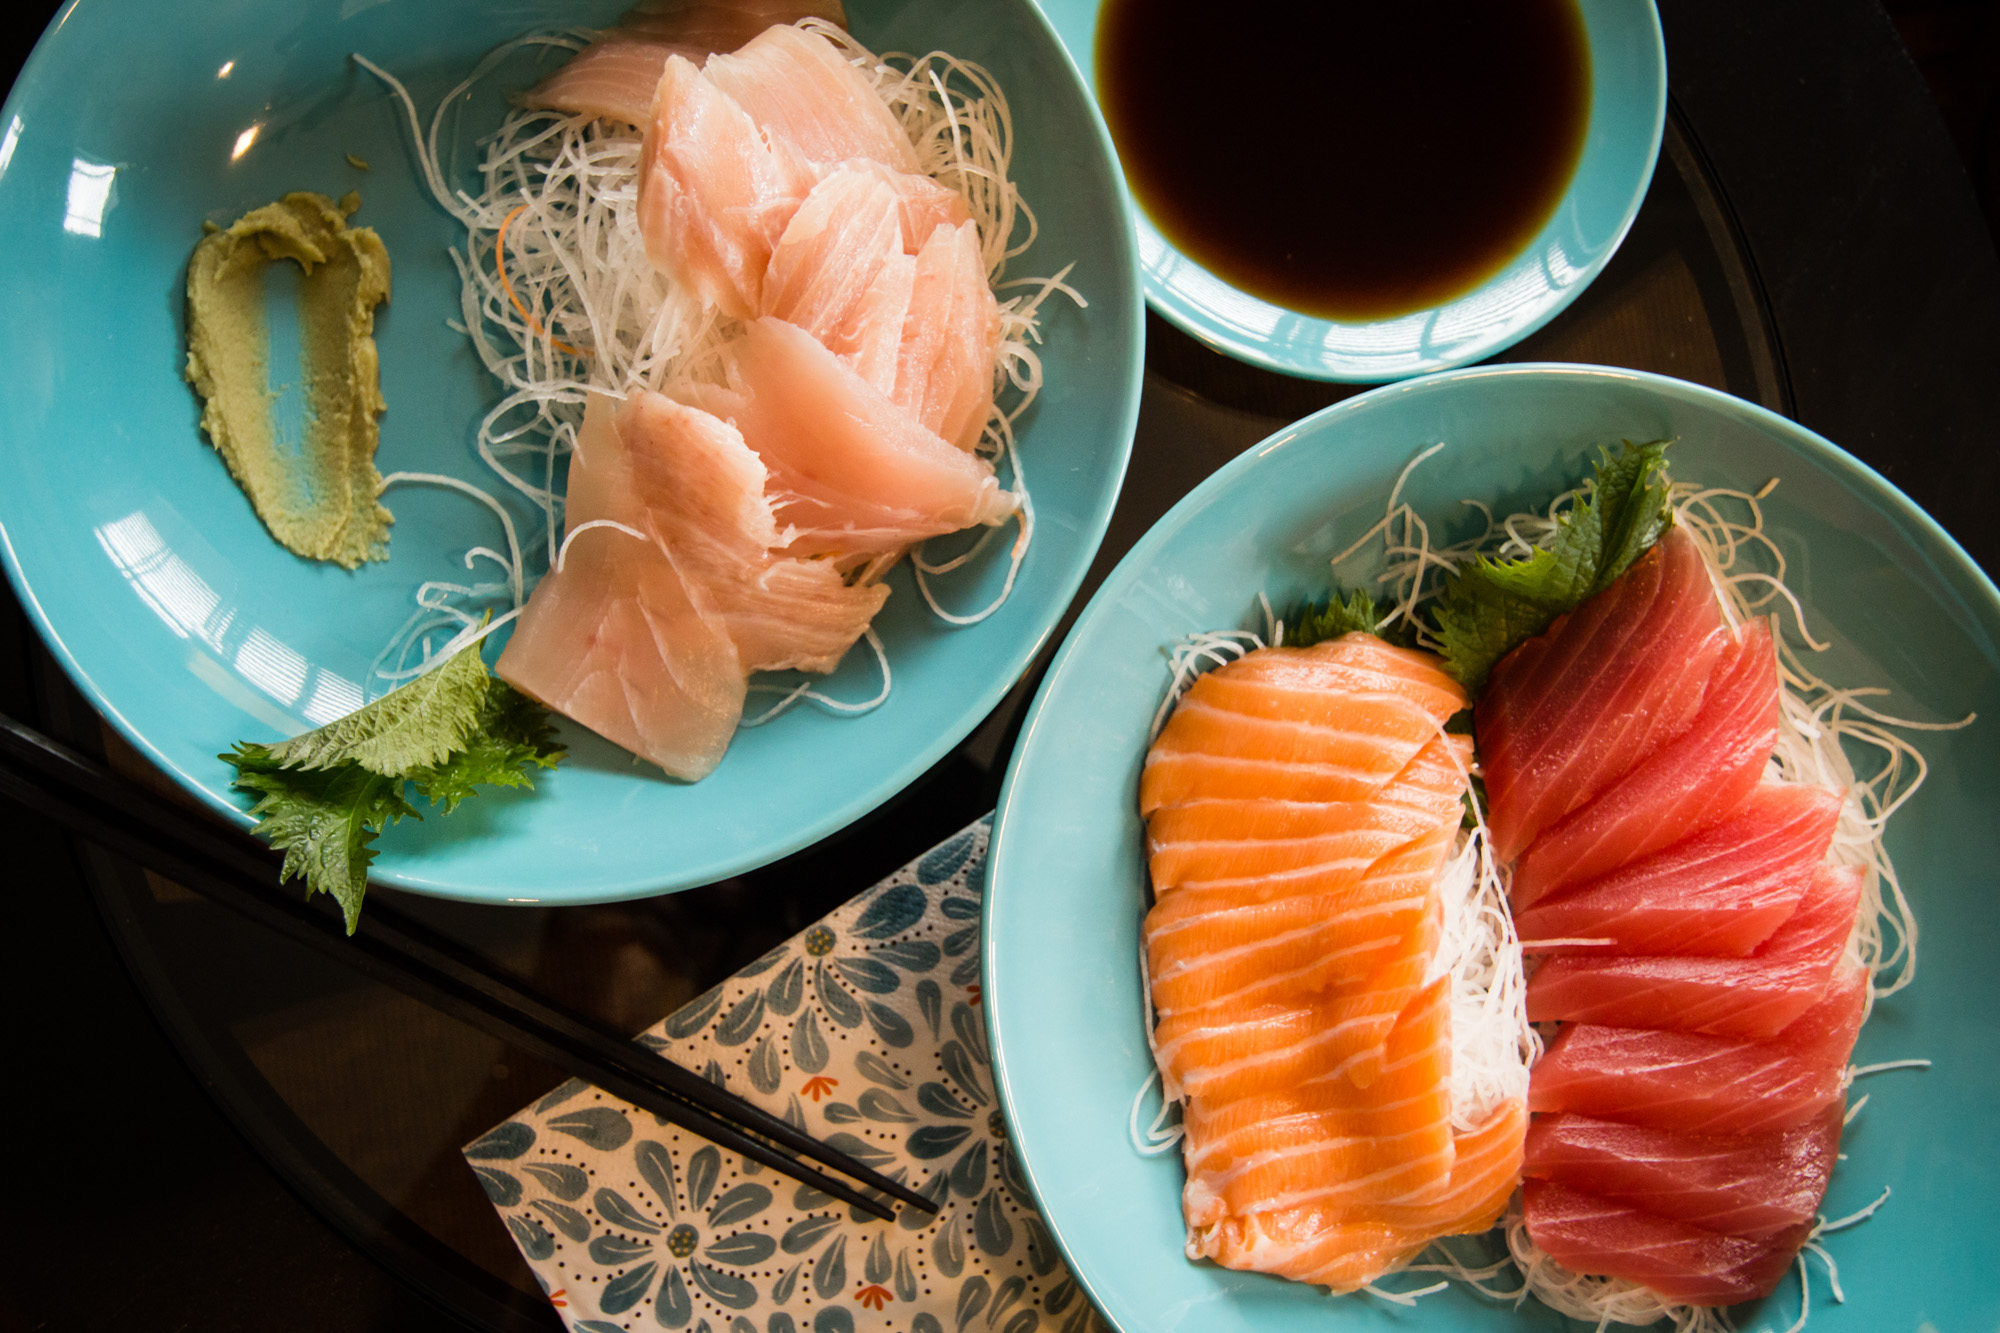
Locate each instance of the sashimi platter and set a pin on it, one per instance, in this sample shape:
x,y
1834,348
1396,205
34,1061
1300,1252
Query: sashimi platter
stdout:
x,y
1507,850
559,452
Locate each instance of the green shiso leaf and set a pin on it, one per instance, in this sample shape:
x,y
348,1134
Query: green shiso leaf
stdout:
x,y
1316,624
419,724
512,733
1491,606
324,796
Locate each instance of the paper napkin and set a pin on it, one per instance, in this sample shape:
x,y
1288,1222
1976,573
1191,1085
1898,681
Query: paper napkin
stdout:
x,y
865,1031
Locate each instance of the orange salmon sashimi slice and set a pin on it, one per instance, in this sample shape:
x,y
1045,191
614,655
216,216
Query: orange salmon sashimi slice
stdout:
x,y
1334,722
1300,804
1346,1249
1347,1146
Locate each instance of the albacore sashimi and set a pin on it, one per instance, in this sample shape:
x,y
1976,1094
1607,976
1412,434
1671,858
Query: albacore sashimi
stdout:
x,y
616,75
836,413
618,636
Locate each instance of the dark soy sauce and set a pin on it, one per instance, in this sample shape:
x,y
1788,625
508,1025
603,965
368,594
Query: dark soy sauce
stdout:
x,y
1353,161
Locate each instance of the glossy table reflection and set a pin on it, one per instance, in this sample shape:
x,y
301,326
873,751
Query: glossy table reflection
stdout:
x,y
1808,244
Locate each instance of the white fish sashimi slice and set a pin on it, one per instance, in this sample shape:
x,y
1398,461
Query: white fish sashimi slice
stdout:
x,y
616,75
716,193
951,338
618,640
703,492
722,25
876,331
832,254
845,270
922,204
614,642
858,475
798,85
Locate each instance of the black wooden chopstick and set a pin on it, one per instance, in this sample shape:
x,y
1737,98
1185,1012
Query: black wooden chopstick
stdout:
x,y
398,951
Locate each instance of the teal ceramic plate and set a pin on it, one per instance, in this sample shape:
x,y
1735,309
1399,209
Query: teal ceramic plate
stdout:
x,y
156,587
1902,606
1628,108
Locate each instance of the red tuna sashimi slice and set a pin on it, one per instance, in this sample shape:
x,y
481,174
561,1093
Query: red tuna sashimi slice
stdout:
x,y
1699,1084
703,493
616,75
1694,781
618,639
1568,713
1720,893
857,475
1686,1264
799,86
1752,997
715,194
951,339
1751,1185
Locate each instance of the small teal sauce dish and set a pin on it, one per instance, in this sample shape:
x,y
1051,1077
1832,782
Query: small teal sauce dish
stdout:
x,y
1899,604
1627,113
172,609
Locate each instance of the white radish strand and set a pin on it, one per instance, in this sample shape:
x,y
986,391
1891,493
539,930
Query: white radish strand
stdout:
x,y
558,297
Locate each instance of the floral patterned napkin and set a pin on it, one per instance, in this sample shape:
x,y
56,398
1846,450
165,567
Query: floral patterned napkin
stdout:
x,y
864,1031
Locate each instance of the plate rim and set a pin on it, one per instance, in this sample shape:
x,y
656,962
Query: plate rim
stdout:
x,y
42,66
1981,585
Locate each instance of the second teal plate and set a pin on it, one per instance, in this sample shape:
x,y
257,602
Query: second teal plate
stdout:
x,y
1902,606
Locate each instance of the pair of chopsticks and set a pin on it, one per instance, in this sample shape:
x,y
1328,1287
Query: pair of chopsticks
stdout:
x,y
391,948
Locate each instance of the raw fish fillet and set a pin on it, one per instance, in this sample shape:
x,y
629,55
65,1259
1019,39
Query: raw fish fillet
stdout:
x,y
1720,893
1683,1263
1688,1109
799,87
1753,1185
716,193
702,492
617,640
1752,997
1692,782
1223,935
1699,1084
839,272
855,474
1568,713
1287,953
951,339
1317,1142
616,76
1345,1248
1330,723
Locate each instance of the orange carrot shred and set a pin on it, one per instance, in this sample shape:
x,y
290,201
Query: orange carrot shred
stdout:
x,y
500,266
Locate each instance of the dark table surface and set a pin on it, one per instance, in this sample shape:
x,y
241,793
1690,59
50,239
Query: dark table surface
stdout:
x,y
1851,282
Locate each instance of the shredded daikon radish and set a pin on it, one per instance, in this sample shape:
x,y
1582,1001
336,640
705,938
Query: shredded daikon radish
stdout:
x,y
558,297
1492,1042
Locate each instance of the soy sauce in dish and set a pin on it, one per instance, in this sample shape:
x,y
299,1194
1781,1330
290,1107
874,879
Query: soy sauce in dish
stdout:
x,y
1352,161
